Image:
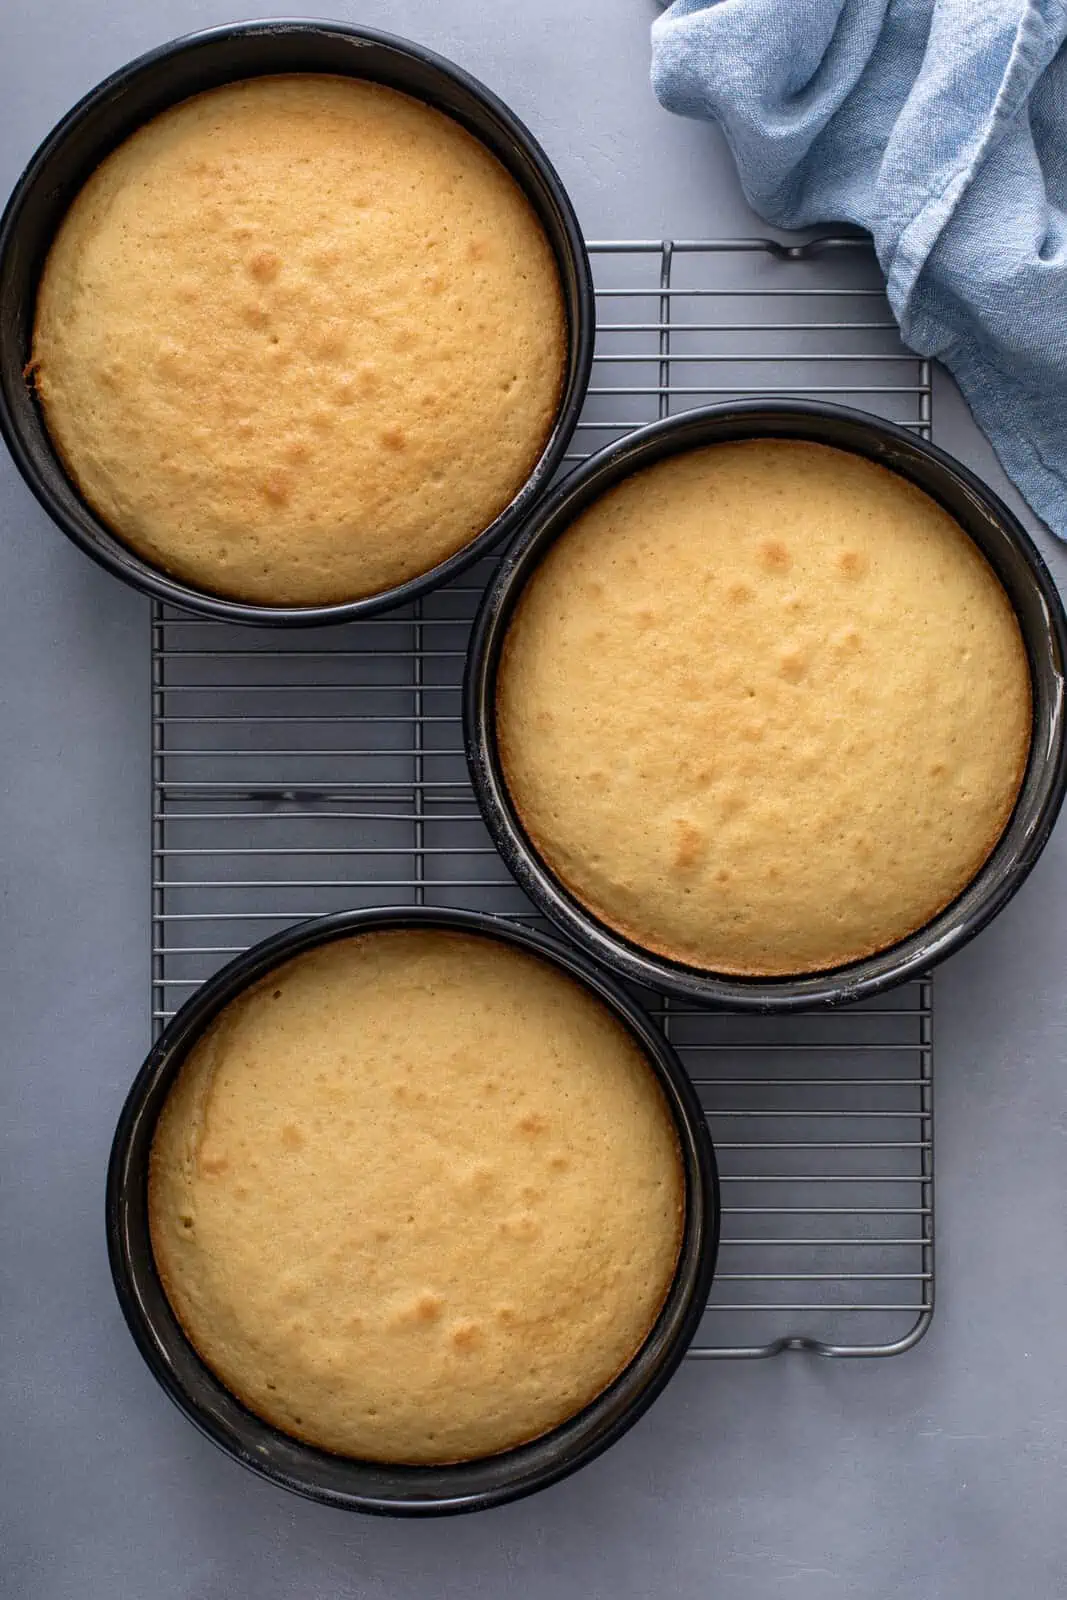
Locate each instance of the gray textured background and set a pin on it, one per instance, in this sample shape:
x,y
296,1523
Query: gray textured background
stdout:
x,y
941,1473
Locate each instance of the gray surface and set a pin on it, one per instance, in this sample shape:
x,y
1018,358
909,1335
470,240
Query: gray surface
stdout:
x,y
937,1474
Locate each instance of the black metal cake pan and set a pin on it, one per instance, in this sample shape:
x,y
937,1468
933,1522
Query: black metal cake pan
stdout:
x,y
367,1485
1014,558
184,67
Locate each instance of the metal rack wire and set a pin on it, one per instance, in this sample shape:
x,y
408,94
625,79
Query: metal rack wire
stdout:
x,y
294,777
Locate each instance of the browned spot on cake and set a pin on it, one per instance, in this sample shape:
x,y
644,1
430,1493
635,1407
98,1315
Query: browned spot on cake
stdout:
x,y
773,556
522,1225
846,640
277,488
427,1307
559,1162
543,719
853,563
393,438
479,1178
644,617
465,1335
213,1159
739,592
170,359
423,1309
297,451
478,248
256,314
730,803
292,1136
327,259
690,843
264,265
792,664
532,1122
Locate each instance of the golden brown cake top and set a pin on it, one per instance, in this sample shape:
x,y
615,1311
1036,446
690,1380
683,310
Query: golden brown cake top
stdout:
x,y
299,339
764,708
416,1197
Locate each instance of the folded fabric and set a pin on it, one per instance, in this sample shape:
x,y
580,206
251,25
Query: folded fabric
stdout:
x,y
940,126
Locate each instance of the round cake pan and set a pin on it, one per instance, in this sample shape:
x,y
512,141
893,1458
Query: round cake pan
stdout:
x,y
1013,557
184,67
367,1485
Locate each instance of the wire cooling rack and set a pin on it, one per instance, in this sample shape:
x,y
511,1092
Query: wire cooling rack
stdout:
x,y
295,776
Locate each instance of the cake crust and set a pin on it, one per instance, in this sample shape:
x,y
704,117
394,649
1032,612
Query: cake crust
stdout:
x,y
299,339
416,1197
764,708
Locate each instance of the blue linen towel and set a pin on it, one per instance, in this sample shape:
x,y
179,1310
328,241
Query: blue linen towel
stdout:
x,y
939,126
